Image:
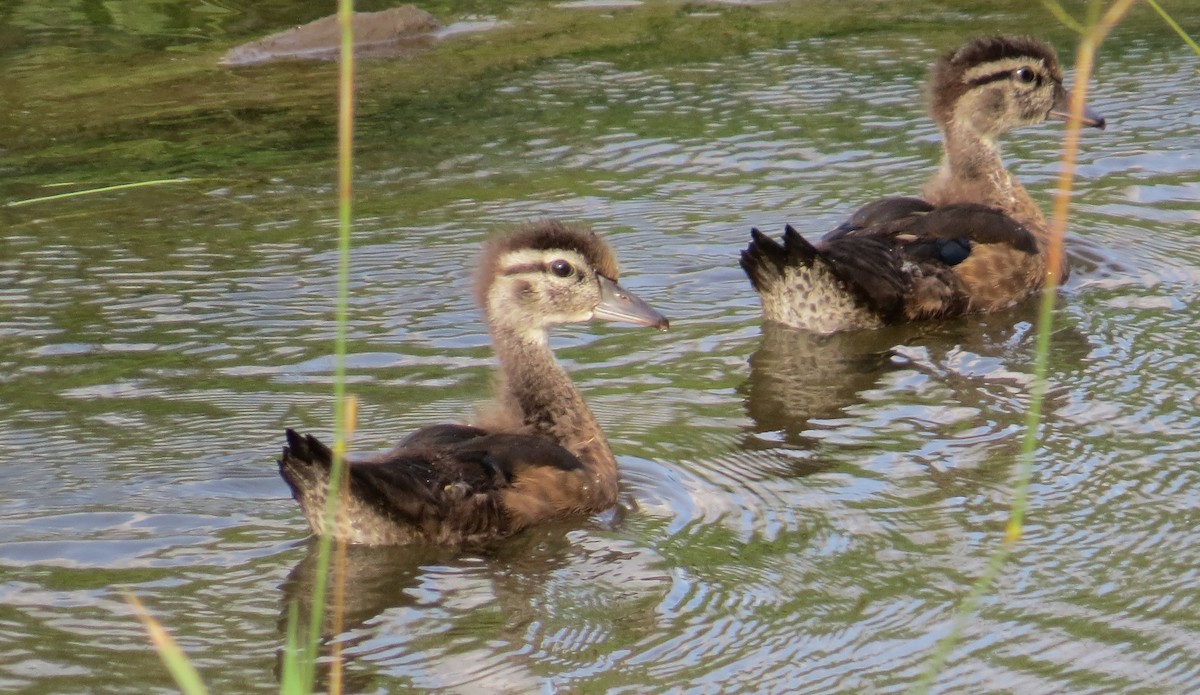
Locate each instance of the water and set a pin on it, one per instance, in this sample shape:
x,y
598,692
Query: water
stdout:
x,y
798,514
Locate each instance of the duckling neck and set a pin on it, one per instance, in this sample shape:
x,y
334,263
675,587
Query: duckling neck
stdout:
x,y
973,172
539,392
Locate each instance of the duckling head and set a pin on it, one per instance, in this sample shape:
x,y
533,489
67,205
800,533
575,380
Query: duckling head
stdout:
x,y
993,84
550,272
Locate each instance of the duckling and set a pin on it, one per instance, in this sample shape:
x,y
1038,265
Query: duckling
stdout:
x,y
544,457
974,242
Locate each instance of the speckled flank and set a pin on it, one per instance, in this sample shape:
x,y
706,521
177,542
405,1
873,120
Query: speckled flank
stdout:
x,y
812,298
356,522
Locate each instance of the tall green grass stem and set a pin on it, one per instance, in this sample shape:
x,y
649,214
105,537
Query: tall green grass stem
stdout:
x,y
1175,25
345,215
1100,23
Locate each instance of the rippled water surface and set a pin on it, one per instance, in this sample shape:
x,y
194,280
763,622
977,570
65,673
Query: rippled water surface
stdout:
x,y
798,514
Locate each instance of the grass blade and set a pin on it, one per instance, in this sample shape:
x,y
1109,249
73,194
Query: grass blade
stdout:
x,y
168,649
1175,25
291,678
1084,60
93,191
341,411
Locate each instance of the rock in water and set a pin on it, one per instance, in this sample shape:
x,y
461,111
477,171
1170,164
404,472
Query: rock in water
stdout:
x,y
395,32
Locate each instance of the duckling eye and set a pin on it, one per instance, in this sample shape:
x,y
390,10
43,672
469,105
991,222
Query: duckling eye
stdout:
x,y
561,268
1024,75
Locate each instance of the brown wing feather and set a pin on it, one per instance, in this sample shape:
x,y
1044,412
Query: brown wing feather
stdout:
x,y
878,214
977,223
442,482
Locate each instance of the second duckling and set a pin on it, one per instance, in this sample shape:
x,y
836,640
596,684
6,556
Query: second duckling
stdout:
x,y
975,242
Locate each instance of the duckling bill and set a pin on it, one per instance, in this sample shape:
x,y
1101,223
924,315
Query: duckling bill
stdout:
x,y
544,457
974,242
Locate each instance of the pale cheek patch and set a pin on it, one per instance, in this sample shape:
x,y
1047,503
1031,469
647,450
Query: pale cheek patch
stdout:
x,y
977,106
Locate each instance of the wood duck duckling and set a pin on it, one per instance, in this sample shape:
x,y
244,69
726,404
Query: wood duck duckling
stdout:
x,y
544,458
975,241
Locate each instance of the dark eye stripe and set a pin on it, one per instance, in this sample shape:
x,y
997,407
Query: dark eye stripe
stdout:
x,y
527,268
989,78
524,268
1036,78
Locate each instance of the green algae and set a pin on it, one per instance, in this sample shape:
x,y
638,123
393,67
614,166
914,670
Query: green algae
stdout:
x,y
124,106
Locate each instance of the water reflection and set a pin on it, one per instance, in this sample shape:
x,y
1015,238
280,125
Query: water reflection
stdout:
x,y
376,579
426,604
797,376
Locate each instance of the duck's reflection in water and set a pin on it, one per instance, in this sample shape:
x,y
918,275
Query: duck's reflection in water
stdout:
x,y
381,583
797,377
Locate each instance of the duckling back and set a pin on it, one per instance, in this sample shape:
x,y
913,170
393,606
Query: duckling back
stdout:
x,y
443,484
893,260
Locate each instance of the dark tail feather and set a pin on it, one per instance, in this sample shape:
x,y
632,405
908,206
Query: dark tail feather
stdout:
x,y
308,449
305,462
765,259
